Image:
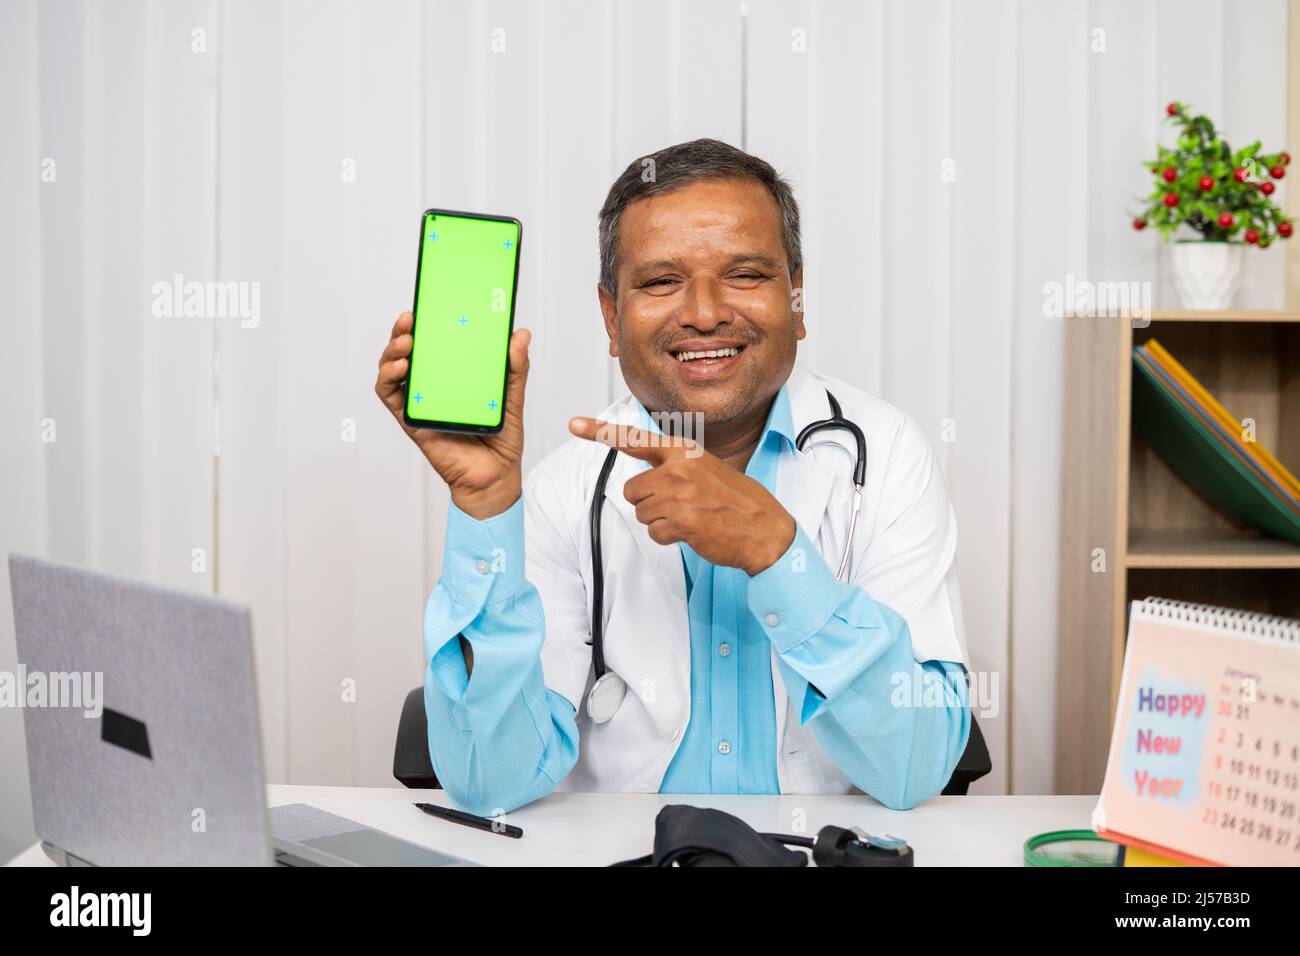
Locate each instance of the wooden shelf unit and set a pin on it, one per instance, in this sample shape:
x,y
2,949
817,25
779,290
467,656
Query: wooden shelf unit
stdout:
x,y
1156,536
1208,548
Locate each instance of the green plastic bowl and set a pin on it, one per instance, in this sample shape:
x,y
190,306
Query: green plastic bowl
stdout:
x,y
1071,848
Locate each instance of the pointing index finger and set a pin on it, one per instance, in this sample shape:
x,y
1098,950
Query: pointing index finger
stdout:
x,y
637,442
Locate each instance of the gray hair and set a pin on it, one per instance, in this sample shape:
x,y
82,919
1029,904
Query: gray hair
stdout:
x,y
676,166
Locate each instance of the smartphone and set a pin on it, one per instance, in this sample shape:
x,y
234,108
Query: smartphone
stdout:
x,y
465,281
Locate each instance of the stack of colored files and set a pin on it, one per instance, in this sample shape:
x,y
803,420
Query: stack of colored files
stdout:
x,y
1206,447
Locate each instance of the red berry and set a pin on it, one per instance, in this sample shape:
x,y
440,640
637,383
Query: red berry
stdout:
x,y
1139,224
1225,219
1252,235
1170,174
1285,158
1266,188
1239,174
1172,109
1171,200
1284,230
1277,172
1207,183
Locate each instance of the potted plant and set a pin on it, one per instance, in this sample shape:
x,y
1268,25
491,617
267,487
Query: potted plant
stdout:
x,y
1224,195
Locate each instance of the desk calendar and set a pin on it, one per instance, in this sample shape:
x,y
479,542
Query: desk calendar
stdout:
x,y
1205,755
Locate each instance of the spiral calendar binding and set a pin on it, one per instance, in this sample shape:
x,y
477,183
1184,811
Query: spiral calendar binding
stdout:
x,y
1252,623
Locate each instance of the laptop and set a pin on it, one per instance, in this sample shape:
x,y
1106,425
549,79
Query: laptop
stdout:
x,y
140,713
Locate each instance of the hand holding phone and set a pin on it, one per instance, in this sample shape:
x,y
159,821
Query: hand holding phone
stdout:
x,y
484,472
460,396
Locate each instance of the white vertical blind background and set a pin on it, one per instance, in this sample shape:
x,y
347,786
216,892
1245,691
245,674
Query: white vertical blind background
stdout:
x,y
297,149
1053,213
252,240
23,466
980,299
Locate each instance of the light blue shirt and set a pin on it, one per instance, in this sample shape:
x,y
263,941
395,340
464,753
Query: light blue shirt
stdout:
x,y
730,741
502,739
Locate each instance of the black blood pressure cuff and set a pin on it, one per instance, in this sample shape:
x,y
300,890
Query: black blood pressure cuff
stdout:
x,y
698,836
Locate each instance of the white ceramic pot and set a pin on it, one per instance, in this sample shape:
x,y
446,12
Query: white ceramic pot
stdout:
x,y
1206,273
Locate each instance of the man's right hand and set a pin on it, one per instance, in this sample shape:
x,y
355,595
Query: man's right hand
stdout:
x,y
482,471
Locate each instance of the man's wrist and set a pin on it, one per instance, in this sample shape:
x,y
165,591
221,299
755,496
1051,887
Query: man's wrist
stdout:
x,y
774,545
488,502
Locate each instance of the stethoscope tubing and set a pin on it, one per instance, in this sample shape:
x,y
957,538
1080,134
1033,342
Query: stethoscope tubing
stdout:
x,y
836,421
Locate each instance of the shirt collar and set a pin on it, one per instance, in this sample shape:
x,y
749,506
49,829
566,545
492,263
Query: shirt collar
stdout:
x,y
779,419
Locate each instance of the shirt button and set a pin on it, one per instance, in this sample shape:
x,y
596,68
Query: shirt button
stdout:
x,y
772,620
724,649
724,748
481,566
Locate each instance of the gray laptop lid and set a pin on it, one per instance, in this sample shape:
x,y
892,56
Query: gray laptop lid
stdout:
x,y
170,772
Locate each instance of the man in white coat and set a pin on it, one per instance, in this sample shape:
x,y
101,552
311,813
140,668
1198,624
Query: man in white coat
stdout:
x,y
768,642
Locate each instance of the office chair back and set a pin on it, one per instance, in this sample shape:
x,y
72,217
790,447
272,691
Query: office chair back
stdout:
x,y
413,768
973,763
411,764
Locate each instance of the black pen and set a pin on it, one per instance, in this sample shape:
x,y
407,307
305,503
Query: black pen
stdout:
x,y
469,820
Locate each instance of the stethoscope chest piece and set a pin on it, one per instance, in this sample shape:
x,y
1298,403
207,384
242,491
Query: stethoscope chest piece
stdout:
x,y
606,697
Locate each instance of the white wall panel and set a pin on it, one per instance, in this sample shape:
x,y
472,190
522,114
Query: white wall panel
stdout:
x,y
23,475
1254,43
124,107
117,299
577,160
321,522
828,145
981,297
61,97
254,413
1126,120
844,192
1053,215
1188,53
785,56
175,360
917,342
385,103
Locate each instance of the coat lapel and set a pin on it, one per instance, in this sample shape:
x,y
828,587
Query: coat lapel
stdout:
x,y
664,560
803,486
669,652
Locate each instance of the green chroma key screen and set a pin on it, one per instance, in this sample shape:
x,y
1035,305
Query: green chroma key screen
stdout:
x,y
464,303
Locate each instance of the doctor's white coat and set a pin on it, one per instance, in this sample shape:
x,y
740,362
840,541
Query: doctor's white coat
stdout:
x,y
902,556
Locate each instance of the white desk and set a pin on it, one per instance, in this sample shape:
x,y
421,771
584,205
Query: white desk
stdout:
x,y
596,829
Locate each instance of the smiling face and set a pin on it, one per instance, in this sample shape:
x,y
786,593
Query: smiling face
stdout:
x,y
704,318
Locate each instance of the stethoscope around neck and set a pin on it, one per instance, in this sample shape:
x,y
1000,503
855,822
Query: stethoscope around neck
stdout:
x,y
607,693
